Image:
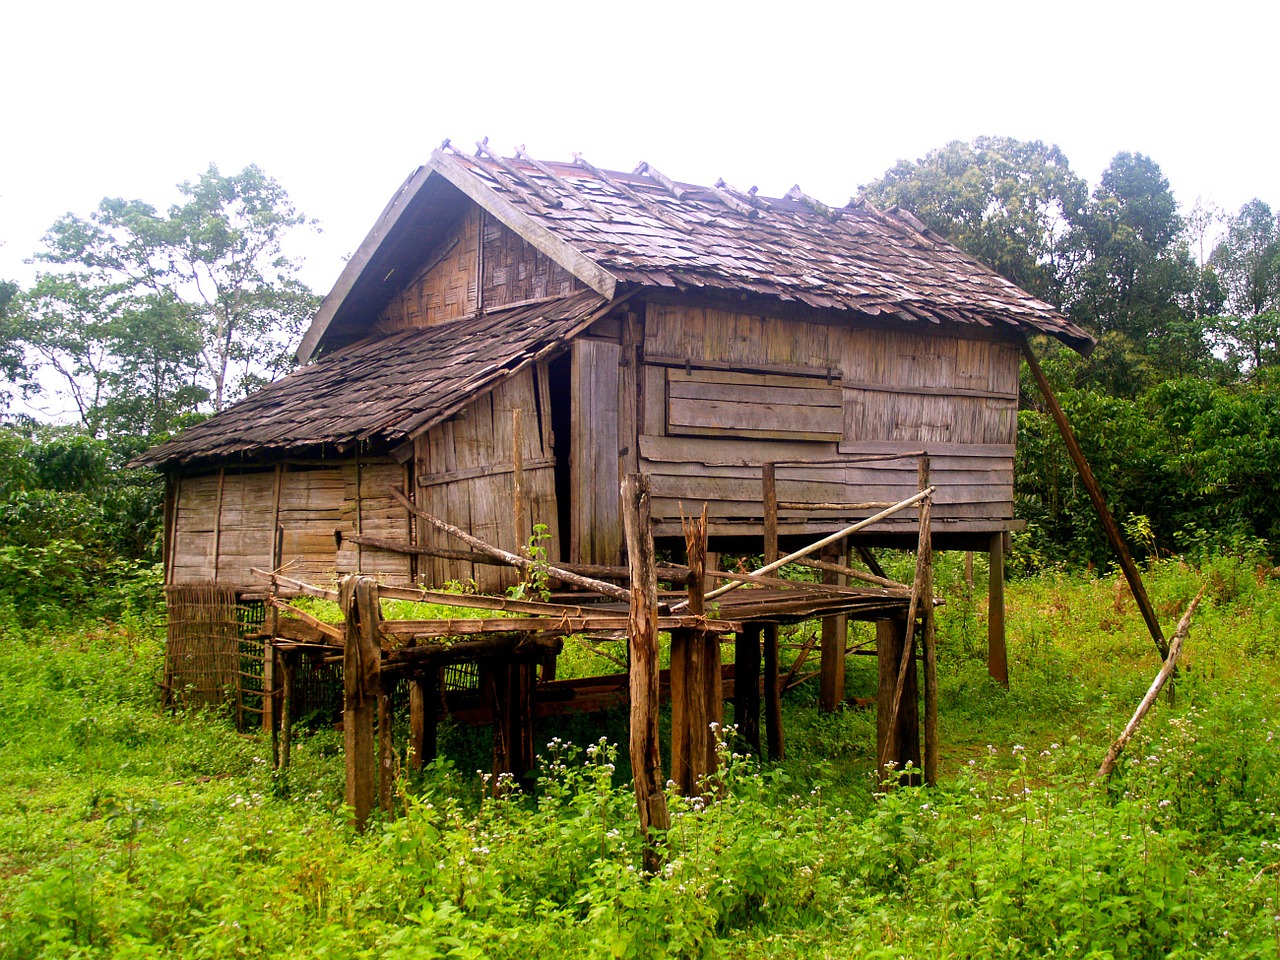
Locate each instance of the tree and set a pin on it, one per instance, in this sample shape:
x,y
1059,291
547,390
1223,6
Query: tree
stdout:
x,y
1141,290
1248,262
215,260
13,367
1013,205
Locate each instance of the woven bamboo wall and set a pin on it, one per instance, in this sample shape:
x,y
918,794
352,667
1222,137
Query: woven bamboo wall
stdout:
x,y
466,476
446,285
725,391
515,271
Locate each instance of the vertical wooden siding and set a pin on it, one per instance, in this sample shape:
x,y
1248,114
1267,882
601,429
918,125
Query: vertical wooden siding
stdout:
x,y
465,476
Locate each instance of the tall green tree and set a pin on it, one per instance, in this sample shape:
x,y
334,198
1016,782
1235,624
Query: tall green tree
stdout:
x,y
13,366
1015,205
219,254
1248,261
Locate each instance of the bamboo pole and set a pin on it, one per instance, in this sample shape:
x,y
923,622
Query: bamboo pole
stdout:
x,y
1099,503
1166,671
819,544
646,760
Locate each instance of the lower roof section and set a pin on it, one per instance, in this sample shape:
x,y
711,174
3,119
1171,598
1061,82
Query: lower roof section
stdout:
x,y
383,391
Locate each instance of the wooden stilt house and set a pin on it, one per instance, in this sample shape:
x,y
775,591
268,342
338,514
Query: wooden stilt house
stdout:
x,y
636,324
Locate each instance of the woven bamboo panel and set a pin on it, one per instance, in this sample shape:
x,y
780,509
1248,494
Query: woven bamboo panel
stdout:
x,y
515,271
202,652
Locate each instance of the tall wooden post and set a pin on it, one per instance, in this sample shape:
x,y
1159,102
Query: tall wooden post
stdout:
x,y
642,648
288,667
772,673
746,685
928,635
386,746
997,655
835,637
361,683
424,704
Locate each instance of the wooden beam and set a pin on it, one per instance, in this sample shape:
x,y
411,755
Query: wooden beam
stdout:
x,y
1166,671
774,739
1091,486
646,760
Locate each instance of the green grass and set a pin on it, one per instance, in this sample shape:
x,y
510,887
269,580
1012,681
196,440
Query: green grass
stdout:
x,y
127,831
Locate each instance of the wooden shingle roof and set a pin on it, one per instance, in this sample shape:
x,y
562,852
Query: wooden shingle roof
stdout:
x,y
643,229
383,390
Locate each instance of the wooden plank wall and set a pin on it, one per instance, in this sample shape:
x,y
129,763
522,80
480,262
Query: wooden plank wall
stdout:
x,y
514,271
726,391
446,285
466,476
237,510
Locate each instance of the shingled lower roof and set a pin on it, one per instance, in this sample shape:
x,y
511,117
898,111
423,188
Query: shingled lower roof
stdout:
x,y
643,229
383,390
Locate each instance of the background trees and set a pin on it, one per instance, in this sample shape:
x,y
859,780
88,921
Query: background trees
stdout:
x,y
154,316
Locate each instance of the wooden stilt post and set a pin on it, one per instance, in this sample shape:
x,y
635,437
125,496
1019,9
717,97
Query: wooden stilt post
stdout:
x,y
746,685
642,633
361,681
689,680
424,703
835,636
899,702
901,743
386,746
997,654
772,673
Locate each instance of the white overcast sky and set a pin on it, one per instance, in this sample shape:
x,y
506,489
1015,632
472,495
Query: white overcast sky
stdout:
x,y
340,102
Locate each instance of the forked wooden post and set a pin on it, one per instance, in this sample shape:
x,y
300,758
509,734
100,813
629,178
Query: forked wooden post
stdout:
x,y
929,637
361,683
288,666
642,635
386,748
